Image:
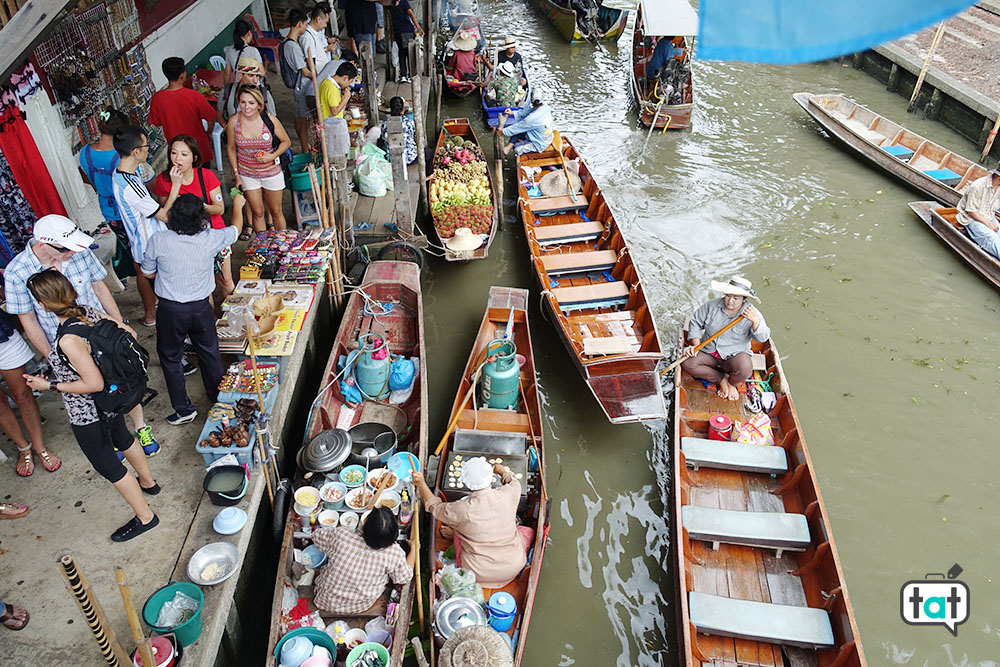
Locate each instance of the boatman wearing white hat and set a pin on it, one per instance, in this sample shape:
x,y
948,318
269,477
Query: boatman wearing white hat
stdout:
x,y
726,360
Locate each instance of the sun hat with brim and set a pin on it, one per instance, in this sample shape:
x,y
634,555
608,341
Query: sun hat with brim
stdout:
x,y
464,41
58,230
553,184
248,65
463,240
506,68
476,474
737,285
509,42
474,646
996,172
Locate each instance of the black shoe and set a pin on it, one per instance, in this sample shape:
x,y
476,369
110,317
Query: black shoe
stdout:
x,y
188,367
380,46
151,491
134,528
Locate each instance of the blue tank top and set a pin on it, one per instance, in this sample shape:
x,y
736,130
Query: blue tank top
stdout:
x,y
100,167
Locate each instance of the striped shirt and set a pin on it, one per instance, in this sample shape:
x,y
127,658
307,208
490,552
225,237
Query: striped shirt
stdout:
x,y
183,264
137,207
356,575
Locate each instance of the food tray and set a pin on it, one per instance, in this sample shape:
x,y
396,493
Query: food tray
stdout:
x,y
450,485
243,454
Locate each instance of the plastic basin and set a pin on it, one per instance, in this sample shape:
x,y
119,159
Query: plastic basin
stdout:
x,y
187,632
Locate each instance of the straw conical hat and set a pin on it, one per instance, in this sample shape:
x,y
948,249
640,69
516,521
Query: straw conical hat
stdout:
x,y
463,240
464,41
476,646
553,184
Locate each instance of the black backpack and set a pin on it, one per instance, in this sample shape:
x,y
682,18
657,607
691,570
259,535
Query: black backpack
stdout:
x,y
120,358
289,74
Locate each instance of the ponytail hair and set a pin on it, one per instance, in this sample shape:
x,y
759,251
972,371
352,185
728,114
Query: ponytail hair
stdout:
x,y
56,294
241,28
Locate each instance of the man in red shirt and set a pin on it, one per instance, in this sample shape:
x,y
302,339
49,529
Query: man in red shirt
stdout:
x,y
180,110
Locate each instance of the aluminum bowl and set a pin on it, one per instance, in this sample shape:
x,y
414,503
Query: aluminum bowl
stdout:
x,y
225,554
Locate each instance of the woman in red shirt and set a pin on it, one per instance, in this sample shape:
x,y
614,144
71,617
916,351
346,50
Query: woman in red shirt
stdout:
x,y
202,183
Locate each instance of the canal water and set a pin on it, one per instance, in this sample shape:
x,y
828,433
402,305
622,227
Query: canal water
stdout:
x,y
889,343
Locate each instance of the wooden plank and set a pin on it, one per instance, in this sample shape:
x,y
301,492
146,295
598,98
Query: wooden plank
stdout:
x,y
590,293
569,262
594,347
566,203
552,232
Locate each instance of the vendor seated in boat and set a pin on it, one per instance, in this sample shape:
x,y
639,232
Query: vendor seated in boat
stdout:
x,y
504,89
977,212
484,527
666,48
361,564
531,129
462,64
726,360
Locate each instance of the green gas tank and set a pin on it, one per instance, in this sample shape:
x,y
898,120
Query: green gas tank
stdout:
x,y
498,382
372,367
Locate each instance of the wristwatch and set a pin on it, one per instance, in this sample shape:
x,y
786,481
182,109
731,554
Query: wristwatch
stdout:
x,y
52,386
125,321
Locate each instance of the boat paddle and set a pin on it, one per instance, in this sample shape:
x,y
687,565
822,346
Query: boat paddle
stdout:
x,y
703,343
415,536
557,144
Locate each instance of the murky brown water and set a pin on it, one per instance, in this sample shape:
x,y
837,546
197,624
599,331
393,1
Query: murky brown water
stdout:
x,y
889,343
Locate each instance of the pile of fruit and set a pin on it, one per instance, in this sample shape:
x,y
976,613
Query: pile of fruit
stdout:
x,y
460,190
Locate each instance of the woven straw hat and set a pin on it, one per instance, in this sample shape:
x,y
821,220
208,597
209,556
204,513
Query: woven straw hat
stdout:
x,y
737,285
464,41
476,646
509,42
248,65
553,184
463,240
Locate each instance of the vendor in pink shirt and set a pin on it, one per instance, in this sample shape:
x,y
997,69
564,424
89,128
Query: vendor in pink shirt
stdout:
x,y
488,540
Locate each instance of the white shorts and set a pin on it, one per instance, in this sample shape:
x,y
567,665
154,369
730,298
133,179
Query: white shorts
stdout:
x,y
14,353
273,183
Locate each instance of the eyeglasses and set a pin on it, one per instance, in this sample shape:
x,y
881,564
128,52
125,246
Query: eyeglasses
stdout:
x,y
59,249
143,146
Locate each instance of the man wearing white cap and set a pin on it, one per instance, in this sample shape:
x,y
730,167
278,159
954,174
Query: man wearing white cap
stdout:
x,y
60,245
726,360
977,212
531,131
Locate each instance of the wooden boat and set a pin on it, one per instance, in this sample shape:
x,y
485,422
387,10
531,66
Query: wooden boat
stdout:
x,y
942,221
462,87
759,581
511,435
461,11
592,291
460,127
385,283
924,165
493,113
604,24
657,106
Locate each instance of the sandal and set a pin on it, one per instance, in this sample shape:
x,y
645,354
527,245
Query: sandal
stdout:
x,y
13,510
15,617
28,463
47,458
245,234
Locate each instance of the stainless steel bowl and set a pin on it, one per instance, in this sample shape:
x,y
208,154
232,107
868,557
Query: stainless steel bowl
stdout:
x,y
224,554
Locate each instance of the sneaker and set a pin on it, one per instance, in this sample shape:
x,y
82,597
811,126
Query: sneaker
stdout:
x,y
150,446
188,367
188,346
403,79
134,528
177,418
380,46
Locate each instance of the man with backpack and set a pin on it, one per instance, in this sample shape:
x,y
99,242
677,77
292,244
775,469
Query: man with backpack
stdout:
x,y
295,73
249,72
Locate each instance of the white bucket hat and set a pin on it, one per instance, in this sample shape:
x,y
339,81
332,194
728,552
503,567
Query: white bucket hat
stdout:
x,y
463,240
506,68
464,41
476,474
737,285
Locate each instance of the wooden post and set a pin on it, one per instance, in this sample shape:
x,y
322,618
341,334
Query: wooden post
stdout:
x,y
437,113
145,648
498,144
430,37
419,118
112,651
402,213
368,81
391,73
989,140
927,64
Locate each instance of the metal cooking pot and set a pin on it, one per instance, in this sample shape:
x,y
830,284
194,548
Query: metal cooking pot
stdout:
x,y
455,613
374,435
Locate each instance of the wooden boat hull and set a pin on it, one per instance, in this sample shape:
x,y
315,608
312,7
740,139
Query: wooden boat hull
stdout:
x,y
811,578
526,420
564,20
385,282
493,113
869,134
460,127
603,319
651,112
939,220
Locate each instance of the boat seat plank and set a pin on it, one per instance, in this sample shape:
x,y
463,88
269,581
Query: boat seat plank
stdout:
x,y
579,262
768,530
805,627
566,233
899,151
597,347
946,176
563,203
591,296
734,456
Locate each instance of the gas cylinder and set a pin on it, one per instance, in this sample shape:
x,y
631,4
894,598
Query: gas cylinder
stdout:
x,y
372,366
498,382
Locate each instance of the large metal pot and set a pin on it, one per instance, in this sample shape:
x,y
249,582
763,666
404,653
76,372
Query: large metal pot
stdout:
x,y
368,436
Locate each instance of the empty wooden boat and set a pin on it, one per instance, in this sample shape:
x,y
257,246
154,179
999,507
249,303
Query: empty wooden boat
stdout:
x,y
512,435
759,581
926,166
388,304
584,20
942,221
591,289
663,101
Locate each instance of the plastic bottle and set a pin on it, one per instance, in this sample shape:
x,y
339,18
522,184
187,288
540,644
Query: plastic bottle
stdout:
x,y
405,509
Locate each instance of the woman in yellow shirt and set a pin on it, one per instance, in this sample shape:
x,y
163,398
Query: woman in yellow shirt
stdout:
x,y
332,100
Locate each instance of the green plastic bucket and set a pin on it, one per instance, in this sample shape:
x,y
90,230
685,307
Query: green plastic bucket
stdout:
x,y
356,652
188,631
300,181
301,161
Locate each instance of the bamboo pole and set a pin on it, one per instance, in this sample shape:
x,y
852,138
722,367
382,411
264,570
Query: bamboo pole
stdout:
x,y
145,648
989,140
415,536
260,401
112,651
927,64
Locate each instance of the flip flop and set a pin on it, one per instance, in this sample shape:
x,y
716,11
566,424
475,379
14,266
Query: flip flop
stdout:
x,y
47,457
10,620
22,510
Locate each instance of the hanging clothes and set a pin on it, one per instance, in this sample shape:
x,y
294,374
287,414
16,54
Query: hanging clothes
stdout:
x,y
17,219
27,165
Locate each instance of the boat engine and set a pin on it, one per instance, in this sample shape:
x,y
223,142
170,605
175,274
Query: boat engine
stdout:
x,y
587,13
673,76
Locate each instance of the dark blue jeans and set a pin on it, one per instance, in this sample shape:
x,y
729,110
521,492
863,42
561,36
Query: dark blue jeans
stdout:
x,y
174,322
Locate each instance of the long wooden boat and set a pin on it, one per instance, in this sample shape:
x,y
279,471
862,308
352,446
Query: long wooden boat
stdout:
x,y
759,581
460,12
508,434
607,26
461,128
665,109
922,164
942,221
457,86
592,291
394,287
493,113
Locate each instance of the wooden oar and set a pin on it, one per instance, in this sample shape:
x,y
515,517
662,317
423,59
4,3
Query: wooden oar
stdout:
x,y
927,64
557,144
415,536
702,344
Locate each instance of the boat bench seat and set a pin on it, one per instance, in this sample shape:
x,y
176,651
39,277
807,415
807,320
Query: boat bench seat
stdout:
x,y
579,262
568,233
946,176
805,627
899,151
591,296
768,530
564,203
734,456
